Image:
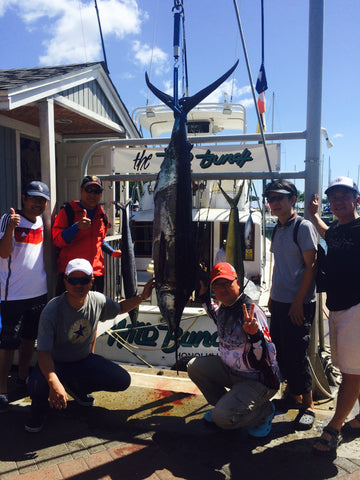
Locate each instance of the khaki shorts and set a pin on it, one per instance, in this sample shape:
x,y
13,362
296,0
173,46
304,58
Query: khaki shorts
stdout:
x,y
345,338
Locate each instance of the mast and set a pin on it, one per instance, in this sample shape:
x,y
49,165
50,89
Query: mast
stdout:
x,y
314,100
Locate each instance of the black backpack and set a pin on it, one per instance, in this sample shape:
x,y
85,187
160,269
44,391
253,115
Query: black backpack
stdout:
x,y
320,278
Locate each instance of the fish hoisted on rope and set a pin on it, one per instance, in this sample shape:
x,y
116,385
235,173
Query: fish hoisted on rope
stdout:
x,y
173,243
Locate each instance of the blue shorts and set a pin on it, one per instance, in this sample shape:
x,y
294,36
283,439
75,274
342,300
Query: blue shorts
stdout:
x,y
20,319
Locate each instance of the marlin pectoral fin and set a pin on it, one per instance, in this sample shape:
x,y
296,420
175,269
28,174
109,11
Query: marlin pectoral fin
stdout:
x,y
187,103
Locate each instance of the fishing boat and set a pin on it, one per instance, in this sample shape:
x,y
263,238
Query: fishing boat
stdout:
x,y
224,160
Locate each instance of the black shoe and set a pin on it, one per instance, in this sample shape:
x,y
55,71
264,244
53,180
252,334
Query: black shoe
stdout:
x,y
83,399
35,423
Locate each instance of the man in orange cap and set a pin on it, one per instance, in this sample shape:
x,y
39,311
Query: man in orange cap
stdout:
x,y
242,380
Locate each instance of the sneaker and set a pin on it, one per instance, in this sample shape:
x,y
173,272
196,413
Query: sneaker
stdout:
x,y
35,423
208,416
83,399
264,429
4,402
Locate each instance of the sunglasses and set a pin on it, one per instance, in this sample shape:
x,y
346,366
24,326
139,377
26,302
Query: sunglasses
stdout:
x,y
78,280
277,198
95,190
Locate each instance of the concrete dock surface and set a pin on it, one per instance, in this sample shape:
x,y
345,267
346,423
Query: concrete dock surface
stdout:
x,y
155,431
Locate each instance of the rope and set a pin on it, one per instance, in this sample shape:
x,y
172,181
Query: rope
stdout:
x,y
252,88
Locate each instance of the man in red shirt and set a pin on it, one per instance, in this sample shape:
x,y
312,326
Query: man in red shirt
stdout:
x,y
84,235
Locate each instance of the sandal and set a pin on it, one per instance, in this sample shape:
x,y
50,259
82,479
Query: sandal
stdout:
x,y
331,443
348,430
304,419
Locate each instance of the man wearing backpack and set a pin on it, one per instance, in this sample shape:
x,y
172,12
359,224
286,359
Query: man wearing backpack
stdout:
x,y
80,229
292,301
343,301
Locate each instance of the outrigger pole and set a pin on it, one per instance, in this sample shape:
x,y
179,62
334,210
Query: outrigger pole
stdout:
x,y
253,90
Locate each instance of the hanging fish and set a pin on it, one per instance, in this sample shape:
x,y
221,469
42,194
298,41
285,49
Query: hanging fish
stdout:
x,y
249,236
173,243
128,265
249,232
234,237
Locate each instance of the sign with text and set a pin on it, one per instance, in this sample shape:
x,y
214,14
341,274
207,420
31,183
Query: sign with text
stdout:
x,y
209,159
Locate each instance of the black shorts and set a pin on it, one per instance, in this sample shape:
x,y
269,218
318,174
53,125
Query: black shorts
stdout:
x,y
20,319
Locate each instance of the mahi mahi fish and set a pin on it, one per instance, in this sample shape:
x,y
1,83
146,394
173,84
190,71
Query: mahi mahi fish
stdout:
x,y
173,243
233,239
128,265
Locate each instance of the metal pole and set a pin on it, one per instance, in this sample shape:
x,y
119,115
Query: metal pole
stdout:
x,y
314,99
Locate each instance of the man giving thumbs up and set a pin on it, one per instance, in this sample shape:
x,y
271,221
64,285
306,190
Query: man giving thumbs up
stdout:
x,y
79,231
22,281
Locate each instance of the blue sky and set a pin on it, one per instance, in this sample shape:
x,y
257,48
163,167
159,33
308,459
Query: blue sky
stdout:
x,y
44,32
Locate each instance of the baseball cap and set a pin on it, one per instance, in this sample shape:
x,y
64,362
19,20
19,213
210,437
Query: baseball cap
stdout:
x,y
343,182
37,189
280,186
79,265
91,180
222,270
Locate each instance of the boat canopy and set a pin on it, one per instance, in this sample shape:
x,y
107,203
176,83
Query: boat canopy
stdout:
x,y
205,119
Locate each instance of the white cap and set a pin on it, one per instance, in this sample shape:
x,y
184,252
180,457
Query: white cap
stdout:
x,y
343,182
79,265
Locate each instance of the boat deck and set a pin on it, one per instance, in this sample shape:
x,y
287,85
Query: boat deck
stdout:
x,y
155,431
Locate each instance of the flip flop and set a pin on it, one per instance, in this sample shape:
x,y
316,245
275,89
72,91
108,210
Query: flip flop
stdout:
x,y
304,419
331,443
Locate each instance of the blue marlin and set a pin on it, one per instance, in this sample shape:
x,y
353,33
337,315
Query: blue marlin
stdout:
x,y
173,244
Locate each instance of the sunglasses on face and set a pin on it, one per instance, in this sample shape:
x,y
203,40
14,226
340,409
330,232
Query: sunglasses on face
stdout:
x,y
277,198
78,280
95,190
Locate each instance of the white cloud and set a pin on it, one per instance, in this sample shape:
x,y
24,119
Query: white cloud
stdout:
x,y
232,92
71,26
338,135
154,59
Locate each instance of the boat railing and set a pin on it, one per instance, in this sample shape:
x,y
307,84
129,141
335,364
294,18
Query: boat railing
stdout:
x,y
113,284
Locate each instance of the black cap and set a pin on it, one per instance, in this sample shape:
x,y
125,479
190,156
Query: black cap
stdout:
x,y
280,186
91,180
37,189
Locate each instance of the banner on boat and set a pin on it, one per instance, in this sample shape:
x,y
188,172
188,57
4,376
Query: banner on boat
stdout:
x,y
209,159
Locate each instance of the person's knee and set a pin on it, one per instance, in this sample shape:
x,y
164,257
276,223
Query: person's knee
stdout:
x,y
228,419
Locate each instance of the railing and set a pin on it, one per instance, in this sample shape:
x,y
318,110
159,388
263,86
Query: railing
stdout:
x,y
113,283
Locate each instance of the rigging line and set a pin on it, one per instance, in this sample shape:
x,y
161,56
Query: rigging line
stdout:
x,y
233,76
262,31
152,49
101,37
82,30
252,89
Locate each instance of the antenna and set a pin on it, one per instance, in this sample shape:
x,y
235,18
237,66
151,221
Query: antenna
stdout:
x,y
101,36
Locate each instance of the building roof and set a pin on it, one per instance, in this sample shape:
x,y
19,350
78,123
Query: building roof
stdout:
x,y
86,103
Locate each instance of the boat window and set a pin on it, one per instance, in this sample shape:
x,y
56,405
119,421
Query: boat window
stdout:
x,y
142,235
198,127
